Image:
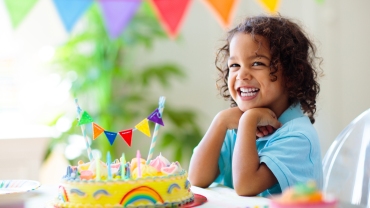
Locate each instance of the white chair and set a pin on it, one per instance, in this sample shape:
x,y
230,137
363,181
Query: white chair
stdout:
x,y
346,165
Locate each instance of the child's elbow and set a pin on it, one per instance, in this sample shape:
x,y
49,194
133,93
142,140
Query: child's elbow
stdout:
x,y
196,181
243,190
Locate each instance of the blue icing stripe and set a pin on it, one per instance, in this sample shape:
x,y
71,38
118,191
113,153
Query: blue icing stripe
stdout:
x,y
187,184
78,192
172,186
100,192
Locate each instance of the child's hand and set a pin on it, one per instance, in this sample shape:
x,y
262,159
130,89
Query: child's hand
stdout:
x,y
264,130
230,117
265,119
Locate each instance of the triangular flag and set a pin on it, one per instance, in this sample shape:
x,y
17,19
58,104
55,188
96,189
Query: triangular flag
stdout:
x,y
111,136
71,10
127,136
97,130
171,14
18,9
156,117
143,126
117,14
85,119
270,5
223,9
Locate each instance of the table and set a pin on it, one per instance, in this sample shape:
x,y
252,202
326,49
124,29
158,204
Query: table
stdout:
x,y
217,197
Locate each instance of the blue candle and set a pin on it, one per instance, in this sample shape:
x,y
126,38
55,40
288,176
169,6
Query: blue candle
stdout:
x,y
108,164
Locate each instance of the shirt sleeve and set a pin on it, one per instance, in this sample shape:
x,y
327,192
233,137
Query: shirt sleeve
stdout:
x,y
288,157
225,160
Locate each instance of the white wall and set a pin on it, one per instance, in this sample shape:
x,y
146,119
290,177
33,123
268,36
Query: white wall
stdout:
x,y
339,28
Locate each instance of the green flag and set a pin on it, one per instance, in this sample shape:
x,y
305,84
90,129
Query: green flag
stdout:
x,y
320,1
18,9
85,119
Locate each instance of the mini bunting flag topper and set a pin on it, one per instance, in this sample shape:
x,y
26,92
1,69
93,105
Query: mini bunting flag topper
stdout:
x,y
143,126
127,136
85,119
111,136
97,130
156,117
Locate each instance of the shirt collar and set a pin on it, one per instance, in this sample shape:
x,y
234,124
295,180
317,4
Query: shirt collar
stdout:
x,y
294,111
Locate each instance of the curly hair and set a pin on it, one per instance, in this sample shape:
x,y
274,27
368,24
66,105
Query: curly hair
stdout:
x,y
290,50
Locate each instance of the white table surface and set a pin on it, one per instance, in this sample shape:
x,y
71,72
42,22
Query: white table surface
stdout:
x,y
217,197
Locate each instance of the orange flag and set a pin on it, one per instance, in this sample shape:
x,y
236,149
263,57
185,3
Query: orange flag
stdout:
x,y
271,6
171,14
97,130
223,9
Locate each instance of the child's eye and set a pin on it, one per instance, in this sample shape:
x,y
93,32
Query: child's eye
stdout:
x,y
258,64
234,65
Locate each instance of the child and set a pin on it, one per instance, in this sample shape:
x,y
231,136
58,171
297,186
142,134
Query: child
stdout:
x,y
266,141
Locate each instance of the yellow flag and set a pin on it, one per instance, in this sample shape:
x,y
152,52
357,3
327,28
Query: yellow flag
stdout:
x,y
143,126
271,6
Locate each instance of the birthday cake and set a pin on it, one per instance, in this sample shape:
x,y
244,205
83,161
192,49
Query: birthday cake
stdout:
x,y
305,195
159,183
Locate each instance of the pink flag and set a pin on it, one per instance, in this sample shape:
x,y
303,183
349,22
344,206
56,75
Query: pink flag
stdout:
x,y
117,14
171,14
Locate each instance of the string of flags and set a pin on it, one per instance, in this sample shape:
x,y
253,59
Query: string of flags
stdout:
x,y
142,126
118,13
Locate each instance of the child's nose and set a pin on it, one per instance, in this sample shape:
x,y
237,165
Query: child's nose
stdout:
x,y
244,74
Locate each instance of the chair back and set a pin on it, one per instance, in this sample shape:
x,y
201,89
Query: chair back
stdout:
x,y
346,165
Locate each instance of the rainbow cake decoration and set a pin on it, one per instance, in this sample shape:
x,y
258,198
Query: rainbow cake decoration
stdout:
x,y
137,183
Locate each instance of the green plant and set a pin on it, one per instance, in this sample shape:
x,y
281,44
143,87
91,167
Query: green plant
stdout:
x,y
115,91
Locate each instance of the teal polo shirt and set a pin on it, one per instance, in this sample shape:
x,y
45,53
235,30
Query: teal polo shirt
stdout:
x,y
292,153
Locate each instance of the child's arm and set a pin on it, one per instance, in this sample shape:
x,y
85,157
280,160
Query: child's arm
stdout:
x,y
203,168
249,176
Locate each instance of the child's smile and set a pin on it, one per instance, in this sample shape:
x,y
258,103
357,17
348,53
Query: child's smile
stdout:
x,y
247,93
249,81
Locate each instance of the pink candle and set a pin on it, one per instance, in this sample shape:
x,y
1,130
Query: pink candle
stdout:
x,y
138,158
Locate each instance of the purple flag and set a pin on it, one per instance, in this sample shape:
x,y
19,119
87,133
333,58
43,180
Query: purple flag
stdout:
x,y
117,14
156,117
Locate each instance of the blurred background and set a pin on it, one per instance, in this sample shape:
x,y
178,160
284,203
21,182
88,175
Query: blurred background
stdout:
x,y
46,62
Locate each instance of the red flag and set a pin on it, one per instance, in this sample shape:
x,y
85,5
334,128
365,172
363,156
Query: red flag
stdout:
x,y
127,136
171,14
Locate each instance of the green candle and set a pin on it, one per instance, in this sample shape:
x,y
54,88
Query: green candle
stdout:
x,y
123,164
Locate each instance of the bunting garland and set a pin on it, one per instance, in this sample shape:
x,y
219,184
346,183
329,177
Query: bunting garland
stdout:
x,y
270,5
224,10
118,13
71,10
18,10
171,14
142,126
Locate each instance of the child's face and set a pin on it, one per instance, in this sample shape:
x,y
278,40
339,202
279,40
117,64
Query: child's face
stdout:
x,y
249,79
